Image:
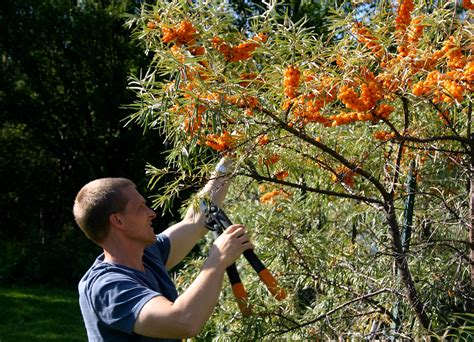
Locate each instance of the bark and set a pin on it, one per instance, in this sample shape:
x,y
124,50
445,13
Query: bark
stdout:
x,y
404,271
471,219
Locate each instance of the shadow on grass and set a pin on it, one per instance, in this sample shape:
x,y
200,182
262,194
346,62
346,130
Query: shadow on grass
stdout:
x,y
40,314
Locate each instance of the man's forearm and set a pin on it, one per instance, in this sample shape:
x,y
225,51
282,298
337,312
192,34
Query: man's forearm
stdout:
x,y
201,297
187,315
184,235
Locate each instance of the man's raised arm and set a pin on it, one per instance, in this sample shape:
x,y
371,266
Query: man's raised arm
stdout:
x,y
185,317
185,234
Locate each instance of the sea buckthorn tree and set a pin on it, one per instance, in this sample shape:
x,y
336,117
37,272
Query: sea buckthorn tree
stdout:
x,y
353,153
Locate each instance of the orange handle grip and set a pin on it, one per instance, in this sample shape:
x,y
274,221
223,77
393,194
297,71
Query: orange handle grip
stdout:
x,y
272,284
242,299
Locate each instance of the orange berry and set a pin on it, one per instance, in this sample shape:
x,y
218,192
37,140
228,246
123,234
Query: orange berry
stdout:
x,y
272,159
260,37
281,175
263,140
151,25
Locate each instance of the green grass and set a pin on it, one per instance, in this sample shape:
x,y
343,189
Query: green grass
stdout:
x,y
40,314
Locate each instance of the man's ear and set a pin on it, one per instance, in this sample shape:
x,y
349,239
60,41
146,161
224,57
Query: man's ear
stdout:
x,y
116,221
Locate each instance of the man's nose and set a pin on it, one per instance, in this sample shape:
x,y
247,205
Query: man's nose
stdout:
x,y
152,213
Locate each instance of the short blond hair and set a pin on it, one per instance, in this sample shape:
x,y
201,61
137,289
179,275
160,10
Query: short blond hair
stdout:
x,y
96,201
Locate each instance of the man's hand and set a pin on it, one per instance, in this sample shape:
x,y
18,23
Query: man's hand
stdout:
x,y
225,166
229,246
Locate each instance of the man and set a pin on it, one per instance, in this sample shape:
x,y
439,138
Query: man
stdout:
x,y
127,294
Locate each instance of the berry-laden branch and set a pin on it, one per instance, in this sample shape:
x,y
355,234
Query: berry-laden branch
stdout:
x,y
304,187
351,166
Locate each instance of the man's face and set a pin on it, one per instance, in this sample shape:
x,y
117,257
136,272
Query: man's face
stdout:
x,y
137,217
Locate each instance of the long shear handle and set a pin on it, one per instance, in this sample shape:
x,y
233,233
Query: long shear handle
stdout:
x,y
239,291
267,278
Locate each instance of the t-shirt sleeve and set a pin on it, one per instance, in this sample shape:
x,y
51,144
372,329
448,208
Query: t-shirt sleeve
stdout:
x,y
162,247
118,300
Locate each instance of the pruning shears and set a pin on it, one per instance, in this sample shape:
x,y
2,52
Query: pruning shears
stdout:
x,y
217,221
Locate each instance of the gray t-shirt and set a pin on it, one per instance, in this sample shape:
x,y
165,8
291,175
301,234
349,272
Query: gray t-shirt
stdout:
x,y
111,295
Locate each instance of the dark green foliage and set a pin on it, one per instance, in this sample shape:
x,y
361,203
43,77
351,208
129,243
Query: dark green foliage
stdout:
x,y
314,12
64,80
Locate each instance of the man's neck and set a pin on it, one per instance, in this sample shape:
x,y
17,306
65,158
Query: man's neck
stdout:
x,y
130,257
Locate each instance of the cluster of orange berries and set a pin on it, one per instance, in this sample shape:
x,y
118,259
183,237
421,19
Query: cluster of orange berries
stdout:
x,y
468,75
365,106
451,85
282,175
306,107
270,159
382,111
409,39
423,88
239,52
384,135
445,87
184,34
370,94
273,196
453,53
345,175
291,81
468,4
416,29
365,37
221,142
404,14
453,89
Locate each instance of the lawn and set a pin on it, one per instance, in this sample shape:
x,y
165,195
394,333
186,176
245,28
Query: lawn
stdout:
x,y
40,314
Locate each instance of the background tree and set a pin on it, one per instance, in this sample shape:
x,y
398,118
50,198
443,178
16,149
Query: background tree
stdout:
x,y
313,13
64,82
353,156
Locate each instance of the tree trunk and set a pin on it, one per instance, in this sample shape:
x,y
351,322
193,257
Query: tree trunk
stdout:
x,y
471,220
403,268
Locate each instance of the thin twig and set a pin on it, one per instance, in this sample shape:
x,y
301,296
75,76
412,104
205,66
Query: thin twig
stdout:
x,y
330,312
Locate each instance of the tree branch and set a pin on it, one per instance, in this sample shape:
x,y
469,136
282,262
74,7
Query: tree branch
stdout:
x,y
303,136
260,177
